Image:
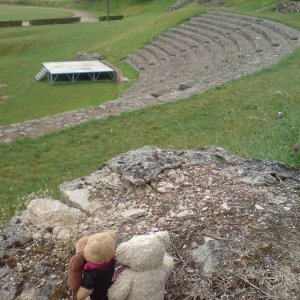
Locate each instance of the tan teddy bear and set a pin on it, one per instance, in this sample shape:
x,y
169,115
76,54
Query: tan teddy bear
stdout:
x,y
92,267
148,267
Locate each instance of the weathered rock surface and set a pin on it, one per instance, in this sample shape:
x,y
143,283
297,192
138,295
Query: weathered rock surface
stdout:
x,y
88,56
287,7
7,275
214,3
48,213
178,4
78,198
210,254
231,220
15,235
133,213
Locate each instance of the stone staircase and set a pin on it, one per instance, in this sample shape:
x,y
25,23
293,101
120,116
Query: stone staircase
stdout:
x,y
188,59
210,49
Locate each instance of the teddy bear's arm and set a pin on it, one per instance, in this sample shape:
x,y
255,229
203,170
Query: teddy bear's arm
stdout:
x,y
83,293
75,272
168,264
121,288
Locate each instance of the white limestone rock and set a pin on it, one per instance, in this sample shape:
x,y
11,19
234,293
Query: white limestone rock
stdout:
x,y
78,198
184,214
47,213
133,213
164,187
209,254
78,193
62,233
28,295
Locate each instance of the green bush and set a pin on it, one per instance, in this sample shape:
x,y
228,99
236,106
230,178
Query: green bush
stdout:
x,y
111,18
10,23
54,21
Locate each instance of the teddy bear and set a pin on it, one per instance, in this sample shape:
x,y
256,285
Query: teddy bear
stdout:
x,y
92,267
147,267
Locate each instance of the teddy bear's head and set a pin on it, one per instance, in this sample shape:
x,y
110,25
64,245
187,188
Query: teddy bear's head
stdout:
x,y
97,248
144,252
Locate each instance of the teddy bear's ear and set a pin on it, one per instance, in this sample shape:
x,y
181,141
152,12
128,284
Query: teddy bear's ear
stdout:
x,y
81,244
112,234
164,237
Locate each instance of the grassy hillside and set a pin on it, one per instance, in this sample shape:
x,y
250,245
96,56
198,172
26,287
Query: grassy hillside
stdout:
x,y
239,116
22,51
24,13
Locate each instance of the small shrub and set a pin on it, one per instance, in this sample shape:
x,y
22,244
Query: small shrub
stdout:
x,y
111,18
54,21
10,23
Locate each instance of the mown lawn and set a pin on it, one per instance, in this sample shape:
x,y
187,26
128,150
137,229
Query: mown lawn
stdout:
x,y
24,13
239,116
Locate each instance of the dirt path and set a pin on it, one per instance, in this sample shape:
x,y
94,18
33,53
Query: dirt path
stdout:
x,y
86,17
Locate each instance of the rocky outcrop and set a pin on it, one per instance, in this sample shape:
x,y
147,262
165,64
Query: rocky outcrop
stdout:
x,y
209,254
230,219
48,213
288,7
88,56
178,4
214,3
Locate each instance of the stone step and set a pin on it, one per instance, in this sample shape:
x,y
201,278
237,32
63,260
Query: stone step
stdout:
x,y
158,72
221,35
174,58
138,61
191,52
152,56
164,48
199,49
160,55
146,80
188,39
199,42
257,44
148,61
131,61
242,43
207,40
172,82
285,31
272,37
189,45
176,70
219,74
175,42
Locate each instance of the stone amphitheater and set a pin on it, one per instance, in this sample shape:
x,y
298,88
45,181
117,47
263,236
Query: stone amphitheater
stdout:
x,y
188,59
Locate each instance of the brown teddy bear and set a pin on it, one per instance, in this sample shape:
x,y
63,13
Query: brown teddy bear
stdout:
x,y
92,267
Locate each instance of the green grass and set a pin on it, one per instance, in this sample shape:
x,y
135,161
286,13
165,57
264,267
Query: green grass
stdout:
x,y
14,12
239,116
59,3
22,51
